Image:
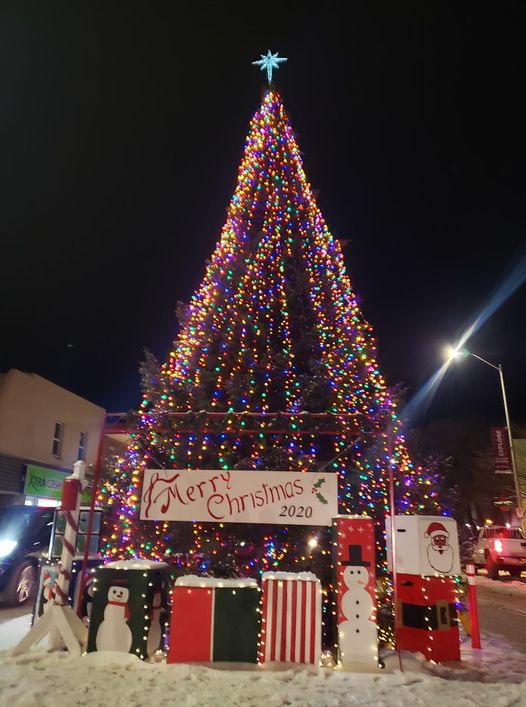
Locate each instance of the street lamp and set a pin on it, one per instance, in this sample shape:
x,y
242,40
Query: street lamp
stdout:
x,y
456,353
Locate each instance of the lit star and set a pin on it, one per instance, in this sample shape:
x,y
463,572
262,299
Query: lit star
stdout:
x,y
269,62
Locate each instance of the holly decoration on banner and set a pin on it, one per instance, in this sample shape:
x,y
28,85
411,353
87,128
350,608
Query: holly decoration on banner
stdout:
x,y
317,493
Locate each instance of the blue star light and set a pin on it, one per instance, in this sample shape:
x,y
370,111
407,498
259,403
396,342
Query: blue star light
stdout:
x,y
269,62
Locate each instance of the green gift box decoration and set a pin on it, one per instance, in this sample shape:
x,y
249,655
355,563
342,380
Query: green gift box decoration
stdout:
x,y
214,620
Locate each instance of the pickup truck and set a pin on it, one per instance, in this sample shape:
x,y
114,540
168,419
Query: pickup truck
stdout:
x,y
500,548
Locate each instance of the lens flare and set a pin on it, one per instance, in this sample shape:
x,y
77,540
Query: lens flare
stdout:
x,y
424,396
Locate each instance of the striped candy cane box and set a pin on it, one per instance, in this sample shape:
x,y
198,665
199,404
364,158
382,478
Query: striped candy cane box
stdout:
x,y
291,623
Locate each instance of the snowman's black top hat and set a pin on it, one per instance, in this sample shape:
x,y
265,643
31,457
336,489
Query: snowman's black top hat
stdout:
x,y
355,557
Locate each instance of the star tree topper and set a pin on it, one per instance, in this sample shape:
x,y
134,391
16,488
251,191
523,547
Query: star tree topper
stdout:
x,y
269,62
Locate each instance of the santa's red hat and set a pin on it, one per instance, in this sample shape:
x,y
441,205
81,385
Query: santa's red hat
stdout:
x,y
435,528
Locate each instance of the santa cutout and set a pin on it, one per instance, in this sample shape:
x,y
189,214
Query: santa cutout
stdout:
x,y
440,554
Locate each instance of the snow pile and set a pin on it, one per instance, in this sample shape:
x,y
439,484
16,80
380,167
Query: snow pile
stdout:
x,y
118,679
492,677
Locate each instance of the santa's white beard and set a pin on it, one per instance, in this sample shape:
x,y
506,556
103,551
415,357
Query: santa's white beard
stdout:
x,y
441,561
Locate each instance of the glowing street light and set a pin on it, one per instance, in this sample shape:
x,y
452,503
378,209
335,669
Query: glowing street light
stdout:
x,y
451,353
454,354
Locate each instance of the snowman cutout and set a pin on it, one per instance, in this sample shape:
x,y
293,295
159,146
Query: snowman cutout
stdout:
x,y
154,632
114,633
357,635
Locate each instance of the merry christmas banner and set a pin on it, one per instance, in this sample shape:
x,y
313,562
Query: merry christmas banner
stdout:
x,y
284,497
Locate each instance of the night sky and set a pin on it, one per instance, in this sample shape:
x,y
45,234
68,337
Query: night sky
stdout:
x,y
122,125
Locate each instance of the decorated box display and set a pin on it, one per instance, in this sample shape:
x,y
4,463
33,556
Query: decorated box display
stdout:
x,y
48,573
427,617
356,599
214,620
425,545
129,606
291,628
49,568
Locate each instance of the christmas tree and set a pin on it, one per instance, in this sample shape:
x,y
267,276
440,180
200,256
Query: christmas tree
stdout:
x,y
274,368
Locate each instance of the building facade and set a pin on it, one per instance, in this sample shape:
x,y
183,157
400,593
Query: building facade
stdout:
x,y
44,430
519,446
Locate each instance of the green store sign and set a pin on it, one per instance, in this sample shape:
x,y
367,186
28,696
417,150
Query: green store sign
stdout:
x,y
47,483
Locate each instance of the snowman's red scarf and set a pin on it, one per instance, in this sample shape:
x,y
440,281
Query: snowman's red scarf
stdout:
x,y
122,605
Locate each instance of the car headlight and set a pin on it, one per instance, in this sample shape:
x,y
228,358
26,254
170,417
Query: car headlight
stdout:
x,y
7,547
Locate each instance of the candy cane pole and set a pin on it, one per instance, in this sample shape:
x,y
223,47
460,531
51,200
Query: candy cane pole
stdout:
x,y
473,608
60,622
70,503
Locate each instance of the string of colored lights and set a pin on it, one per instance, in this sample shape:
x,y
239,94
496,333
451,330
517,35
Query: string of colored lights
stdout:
x,y
274,319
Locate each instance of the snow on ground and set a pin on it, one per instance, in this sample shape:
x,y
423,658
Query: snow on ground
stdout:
x,y
495,676
496,662
11,632
42,679
511,588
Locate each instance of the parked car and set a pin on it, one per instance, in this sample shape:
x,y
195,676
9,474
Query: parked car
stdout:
x,y
500,548
24,536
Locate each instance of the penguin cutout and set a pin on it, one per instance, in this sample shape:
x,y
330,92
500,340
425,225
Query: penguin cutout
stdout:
x,y
154,632
87,601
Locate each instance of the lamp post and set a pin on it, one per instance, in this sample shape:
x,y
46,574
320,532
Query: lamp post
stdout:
x,y
455,353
